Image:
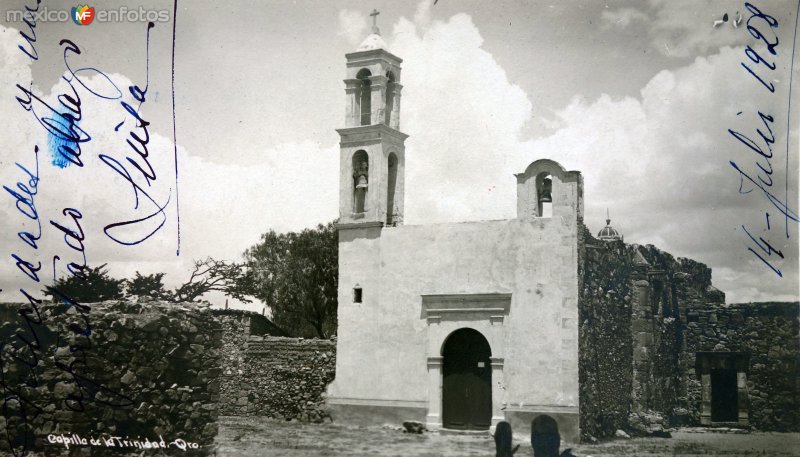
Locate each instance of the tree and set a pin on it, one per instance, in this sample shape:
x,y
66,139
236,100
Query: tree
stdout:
x,y
211,275
151,285
89,285
296,274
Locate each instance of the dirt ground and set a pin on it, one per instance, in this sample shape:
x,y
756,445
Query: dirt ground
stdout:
x,y
259,437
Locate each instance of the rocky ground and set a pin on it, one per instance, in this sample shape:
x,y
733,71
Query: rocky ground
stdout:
x,y
253,436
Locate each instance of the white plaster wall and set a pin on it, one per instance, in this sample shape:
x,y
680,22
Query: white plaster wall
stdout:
x,y
383,342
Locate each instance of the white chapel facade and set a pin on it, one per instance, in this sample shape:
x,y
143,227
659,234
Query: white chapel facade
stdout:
x,y
456,325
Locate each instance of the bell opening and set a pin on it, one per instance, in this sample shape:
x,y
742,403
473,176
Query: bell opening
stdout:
x,y
360,180
544,192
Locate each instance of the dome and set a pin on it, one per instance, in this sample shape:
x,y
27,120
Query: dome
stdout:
x,y
609,233
373,41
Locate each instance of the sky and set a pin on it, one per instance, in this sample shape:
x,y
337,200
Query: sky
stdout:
x,y
638,96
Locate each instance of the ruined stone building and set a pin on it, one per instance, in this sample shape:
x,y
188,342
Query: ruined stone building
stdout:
x,y
462,325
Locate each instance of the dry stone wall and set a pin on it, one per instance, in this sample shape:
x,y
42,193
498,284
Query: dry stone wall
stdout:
x,y
237,327
632,302
605,354
287,377
235,333
273,376
110,378
666,287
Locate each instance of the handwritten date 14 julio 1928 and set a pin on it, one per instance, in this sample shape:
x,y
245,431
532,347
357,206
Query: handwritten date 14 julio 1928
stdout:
x,y
759,177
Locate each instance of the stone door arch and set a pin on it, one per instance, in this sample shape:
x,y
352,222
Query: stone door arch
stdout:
x,y
481,313
466,381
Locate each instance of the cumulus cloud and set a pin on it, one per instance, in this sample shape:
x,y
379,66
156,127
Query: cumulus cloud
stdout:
x,y
352,25
658,161
661,163
464,118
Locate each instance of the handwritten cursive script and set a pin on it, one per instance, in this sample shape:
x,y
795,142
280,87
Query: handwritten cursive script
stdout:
x,y
29,346
758,176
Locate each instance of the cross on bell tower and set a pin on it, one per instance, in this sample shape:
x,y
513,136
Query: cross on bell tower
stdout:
x,y
372,147
374,15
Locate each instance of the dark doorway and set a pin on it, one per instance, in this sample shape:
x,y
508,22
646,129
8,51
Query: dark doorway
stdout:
x,y
724,404
467,383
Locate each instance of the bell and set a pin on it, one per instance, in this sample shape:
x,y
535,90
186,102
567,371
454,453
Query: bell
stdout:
x,y
545,193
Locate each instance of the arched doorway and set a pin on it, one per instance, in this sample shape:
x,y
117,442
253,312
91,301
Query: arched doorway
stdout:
x,y
467,381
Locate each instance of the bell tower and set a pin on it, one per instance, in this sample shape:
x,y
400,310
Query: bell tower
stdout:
x,y
372,147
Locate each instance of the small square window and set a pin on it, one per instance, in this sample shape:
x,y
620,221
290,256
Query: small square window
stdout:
x,y
357,295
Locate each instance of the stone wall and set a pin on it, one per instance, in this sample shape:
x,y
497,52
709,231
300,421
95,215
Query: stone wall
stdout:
x,y
605,315
237,327
767,336
666,287
272,376
632,302
235,333
140,372
653,328
287,377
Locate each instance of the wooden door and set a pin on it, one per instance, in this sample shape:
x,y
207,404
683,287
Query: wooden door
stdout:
x,y
467,383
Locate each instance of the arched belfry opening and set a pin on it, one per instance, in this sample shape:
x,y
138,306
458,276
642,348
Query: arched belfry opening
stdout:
x,y
466,381
364,96
391,181
546,190
390,89
544,193
360,180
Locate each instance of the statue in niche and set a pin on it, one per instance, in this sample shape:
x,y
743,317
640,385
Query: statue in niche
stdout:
x,y
360,177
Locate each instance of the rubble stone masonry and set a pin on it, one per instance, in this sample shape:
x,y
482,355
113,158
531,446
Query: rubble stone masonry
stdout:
x,y
273,376
653,328
110,378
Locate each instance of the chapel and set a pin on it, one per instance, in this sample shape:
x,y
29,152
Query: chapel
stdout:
x,y
456,325
463,325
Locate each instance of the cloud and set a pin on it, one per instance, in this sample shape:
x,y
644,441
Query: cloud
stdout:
x,y
661,163
658,161
352,25
622,17
464,118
